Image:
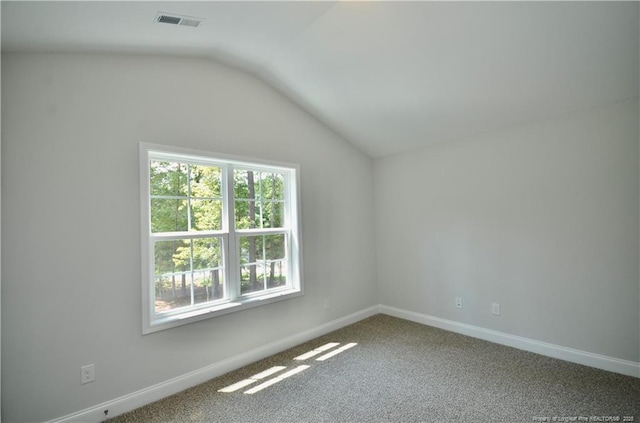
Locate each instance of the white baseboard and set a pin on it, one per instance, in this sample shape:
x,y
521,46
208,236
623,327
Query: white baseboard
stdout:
x,y
625,367
161,390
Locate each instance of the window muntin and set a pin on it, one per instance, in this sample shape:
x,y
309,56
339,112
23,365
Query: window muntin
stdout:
x,y
220,234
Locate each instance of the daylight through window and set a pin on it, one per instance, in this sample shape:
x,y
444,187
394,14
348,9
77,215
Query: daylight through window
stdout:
x,y
219,234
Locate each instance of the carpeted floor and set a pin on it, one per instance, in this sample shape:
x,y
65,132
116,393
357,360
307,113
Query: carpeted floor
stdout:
x,y
401,371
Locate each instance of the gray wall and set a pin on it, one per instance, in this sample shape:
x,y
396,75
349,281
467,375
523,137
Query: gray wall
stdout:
x,y
71,221
542,219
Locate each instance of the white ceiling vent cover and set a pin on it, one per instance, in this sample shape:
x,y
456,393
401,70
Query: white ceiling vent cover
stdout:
x,y
174,19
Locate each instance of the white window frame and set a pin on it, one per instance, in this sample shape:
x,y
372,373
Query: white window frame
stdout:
x,y
234,300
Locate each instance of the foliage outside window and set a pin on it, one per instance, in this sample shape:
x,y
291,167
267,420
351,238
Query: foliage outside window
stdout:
x,y
220,234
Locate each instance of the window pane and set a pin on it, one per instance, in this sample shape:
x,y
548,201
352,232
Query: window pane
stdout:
x,y
251,249
168,178
251,278
273,214
182,256
262,261
244,184
179,264
277,274
172,280
279,186
246,187
208,286
172,291
274,246
207,253
205,181
201,254
272,186
168,215
206,215
247,214
260,247
217,284
266,186
171,257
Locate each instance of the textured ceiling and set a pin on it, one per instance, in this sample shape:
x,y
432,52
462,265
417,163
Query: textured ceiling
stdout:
x,y
388,76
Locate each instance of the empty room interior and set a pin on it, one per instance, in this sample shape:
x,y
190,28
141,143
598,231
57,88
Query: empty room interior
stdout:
x,y
192,187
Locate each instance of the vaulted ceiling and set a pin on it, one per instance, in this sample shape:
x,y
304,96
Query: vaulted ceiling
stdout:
x,y
388,76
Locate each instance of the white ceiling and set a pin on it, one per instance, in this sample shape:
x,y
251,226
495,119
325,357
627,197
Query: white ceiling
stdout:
x,y
388,76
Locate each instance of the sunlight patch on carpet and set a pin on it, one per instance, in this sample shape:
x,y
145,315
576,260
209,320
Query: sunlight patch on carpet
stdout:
x,y
276,369
336,352
317,351
246,382
277,379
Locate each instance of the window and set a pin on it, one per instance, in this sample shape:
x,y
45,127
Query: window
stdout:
x,y
219,234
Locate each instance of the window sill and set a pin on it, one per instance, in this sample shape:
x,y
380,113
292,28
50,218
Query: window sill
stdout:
x,y
174,320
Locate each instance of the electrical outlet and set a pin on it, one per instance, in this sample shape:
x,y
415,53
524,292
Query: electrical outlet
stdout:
x,y
459,302
87,373
495,309
326,304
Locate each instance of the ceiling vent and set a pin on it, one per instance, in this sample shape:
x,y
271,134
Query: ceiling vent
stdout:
x,y
173,19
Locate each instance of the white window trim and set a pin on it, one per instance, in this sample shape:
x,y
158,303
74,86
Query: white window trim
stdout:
x,y
152,322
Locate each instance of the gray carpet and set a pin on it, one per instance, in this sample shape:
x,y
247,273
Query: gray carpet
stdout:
x,y
401,371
